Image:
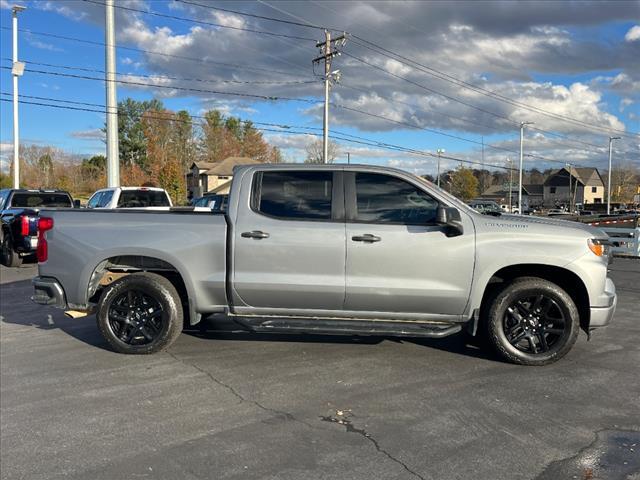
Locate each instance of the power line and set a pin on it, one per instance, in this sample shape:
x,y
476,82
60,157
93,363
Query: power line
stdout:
x,y
286,129
253,15
203,22
435,72
151,52
276,98
450,78
168,77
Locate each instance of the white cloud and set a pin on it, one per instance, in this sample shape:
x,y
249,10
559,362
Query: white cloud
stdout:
x,y
633,35
90,134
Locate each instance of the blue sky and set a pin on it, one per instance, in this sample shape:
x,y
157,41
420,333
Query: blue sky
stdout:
x,y
579,63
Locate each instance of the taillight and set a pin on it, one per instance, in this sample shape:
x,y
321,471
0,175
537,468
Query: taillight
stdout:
x,y
42,250
24,226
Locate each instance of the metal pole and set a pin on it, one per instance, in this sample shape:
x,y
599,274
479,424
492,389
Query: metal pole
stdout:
x,y
611,139
348,158
16,71
327,76
510,184
570,188
522,125
113,164
440,151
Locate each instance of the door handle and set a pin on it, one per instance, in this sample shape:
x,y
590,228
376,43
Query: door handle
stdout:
x,y
368,238
255,234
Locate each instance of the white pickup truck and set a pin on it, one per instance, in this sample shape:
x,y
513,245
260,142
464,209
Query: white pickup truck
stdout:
x,y
342,249
131,197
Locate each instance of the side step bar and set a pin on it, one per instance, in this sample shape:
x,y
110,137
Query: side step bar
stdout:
x,y
347,327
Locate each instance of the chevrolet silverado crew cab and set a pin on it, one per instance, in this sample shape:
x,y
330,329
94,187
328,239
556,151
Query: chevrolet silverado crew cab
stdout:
x,y
332,249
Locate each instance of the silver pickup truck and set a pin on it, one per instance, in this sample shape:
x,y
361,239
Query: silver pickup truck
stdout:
x,y
332,249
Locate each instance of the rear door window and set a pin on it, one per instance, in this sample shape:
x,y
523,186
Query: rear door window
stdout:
x,y
294,195
142,199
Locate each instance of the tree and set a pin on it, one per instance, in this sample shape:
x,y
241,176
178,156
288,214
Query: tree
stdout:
x,y
315,151
131,138
463,184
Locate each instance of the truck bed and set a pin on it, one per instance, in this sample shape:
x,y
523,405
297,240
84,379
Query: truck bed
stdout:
x,y
192,243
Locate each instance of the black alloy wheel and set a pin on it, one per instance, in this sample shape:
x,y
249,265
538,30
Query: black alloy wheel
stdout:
x,y
534,324
140,313
136,318
530,321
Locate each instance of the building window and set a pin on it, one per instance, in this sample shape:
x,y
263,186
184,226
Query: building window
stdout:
x,y
552,190
594,189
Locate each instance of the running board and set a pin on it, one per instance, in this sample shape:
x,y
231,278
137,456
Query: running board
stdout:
x,y
348,327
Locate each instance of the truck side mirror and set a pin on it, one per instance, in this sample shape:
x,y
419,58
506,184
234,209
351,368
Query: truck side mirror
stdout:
x,y
76,203
450,218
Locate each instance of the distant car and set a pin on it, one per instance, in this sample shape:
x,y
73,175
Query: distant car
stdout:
x,y
556,212
131,197
19,211
214,202
585,213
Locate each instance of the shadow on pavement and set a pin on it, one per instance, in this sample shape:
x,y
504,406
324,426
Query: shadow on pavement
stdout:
x,y
18,309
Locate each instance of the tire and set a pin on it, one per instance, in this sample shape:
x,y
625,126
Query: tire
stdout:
x,y
532,321
140,314
9,256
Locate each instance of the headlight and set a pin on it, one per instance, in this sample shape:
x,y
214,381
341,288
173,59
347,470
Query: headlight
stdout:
x,y
599,246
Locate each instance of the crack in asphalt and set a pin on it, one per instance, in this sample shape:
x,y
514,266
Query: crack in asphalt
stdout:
x,y
288,416
349,428
241,399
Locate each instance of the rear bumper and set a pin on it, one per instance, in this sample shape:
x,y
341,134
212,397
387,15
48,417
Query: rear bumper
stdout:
x,y
48,291
601,316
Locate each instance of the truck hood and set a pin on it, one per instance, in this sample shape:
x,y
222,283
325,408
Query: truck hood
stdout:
x,y
523,223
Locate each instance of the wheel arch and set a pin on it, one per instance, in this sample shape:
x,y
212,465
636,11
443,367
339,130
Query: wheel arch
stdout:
x,y
110,269
564,278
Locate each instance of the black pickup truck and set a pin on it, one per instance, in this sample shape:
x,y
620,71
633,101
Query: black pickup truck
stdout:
x,y
19,214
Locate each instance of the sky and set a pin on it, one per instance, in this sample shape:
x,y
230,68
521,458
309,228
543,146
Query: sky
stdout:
x,y
456,76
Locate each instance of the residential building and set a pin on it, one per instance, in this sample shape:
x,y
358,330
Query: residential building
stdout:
x,y
587,187
209,177
531,195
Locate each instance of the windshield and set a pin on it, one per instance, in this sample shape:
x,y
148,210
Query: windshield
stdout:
x,y
39,200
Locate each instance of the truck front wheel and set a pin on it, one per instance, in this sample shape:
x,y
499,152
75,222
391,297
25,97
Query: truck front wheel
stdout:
x,y
532,322
140,314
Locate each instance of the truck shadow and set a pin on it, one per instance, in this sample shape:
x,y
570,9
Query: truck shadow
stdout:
x,y
16,308
224,328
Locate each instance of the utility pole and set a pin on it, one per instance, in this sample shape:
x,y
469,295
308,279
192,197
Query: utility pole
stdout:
x,y
113,162
522,125
17,70
482,171
440,151
570,209
611,139
327,54
348,158
510,183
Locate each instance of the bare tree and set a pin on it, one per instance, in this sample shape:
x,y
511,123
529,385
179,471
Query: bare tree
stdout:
x,y
314,151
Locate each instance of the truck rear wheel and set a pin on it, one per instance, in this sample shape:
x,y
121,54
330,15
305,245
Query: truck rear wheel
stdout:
x,y
532,322
140,314
10,257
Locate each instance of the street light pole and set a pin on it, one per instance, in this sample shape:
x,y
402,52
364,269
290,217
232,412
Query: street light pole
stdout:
x,y
522,125
16,71
113,157
440,151
611,139
510,183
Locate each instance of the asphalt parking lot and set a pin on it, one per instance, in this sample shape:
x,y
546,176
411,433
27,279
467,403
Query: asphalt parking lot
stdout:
x,y
226,405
